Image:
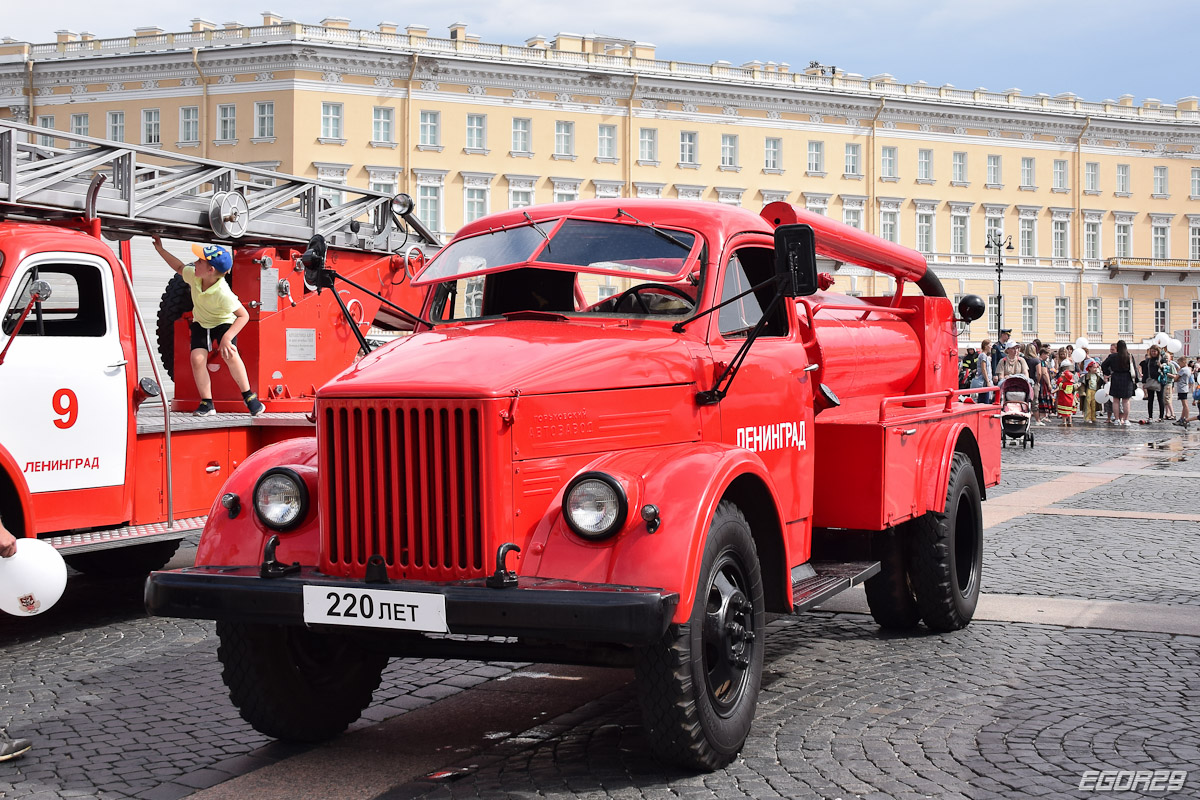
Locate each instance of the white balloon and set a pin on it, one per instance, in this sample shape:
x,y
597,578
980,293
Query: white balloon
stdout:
x,y
1138,394
1161,339
1078,355
1174,346
1082,342
1102,395
32,580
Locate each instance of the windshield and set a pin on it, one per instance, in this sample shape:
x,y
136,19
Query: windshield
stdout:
x,y
595,246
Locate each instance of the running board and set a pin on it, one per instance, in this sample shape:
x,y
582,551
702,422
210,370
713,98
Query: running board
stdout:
x,y
817,581
88,541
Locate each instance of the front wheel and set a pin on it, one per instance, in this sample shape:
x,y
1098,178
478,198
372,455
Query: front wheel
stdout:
x,y
698,686
295,684
946,553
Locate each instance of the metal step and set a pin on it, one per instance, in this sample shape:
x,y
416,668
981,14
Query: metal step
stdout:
x,y
817,581
122,537
150,420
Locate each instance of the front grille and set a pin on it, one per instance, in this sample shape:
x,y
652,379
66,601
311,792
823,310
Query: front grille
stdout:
x,y
402,479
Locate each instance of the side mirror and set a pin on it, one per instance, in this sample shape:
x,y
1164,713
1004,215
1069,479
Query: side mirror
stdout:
x,y
796,260
971,307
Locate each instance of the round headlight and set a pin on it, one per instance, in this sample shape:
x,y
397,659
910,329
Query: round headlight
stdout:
x,y
594,506
281,499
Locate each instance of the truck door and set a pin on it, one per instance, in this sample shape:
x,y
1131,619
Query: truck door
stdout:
x,y
63,382
769,406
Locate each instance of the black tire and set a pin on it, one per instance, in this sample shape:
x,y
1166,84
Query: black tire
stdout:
x,y
698,686
176,299
889,594
295,684
124,562
946,553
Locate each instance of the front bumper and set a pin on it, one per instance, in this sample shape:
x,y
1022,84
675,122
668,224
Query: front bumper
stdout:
x,y
537,608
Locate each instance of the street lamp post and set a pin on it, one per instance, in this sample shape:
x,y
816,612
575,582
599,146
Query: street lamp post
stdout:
x,y
999,243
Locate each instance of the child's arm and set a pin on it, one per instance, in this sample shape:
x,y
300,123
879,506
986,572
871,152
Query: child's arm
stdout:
x,y
240,318
172,262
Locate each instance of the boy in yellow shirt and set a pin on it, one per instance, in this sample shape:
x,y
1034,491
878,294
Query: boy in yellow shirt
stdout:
x,y
217,316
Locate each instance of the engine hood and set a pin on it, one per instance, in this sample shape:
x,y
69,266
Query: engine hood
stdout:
x,y
534,356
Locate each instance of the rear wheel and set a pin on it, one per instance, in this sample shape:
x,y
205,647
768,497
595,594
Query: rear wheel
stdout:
x,y
889,594
946,555
295,684
124,562
698,686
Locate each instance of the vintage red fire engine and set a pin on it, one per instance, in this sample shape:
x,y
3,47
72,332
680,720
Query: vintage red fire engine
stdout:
x,y
112,489
623,432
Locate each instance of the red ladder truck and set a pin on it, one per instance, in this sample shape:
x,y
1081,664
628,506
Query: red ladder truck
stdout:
x,y
623,432
114,489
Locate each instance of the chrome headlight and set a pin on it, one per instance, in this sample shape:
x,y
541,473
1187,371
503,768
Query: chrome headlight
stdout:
x,y
281,499
595,506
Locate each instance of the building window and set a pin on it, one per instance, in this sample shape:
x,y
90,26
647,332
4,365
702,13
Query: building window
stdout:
x,y
1162,316
773,154
1091,176
958,168
1124,241
924,165
264,120
1091,240
852,217
474,204
993,304
854,159
994,233
476,132
993,170
566,192
1062,307
331,120
648,145
430,129
1029,315
382,119
925,232
958,234
889,226
687,147
729,150
226,122
1195,183
1195,314
46,121
429,206
520,198
887,163
1059,183
79,125
1093,316
522,136
1125,316
1160,182
151,127
816,157
606,147
1027,235
189,124
1194,244
564,138
1123,179
1060,241
1160,243
116,126
1028,173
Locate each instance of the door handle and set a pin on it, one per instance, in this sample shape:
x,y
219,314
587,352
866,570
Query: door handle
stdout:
x,y
812,368
120,363
212,467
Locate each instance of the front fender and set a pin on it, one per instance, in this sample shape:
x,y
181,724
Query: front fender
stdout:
x,y
239,541
685,482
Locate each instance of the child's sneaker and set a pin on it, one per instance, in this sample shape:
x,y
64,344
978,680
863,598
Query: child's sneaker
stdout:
x,y
253,404
205,409
11,748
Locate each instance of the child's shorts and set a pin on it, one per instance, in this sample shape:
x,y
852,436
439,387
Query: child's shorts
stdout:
x,y
204,338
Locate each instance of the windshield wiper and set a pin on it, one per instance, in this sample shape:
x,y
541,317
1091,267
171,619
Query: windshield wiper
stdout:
x,y
659,231
537,228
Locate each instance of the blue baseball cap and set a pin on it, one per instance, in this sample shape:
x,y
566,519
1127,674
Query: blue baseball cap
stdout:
x,y
217,257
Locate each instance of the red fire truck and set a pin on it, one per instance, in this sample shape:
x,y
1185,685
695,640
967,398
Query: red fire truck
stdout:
x,y
623,432
112,489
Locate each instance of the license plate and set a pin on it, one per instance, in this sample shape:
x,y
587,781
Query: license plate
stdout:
x,y
375,608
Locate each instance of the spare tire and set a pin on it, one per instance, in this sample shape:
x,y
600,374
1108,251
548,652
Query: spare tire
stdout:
x,y
176,299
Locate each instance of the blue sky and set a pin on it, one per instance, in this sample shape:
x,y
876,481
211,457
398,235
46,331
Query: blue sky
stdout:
x,y
1098,50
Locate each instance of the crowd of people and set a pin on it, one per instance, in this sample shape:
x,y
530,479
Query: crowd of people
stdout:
x,y
1066,386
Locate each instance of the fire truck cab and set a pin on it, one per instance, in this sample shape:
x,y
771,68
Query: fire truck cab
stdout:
x,y
623,432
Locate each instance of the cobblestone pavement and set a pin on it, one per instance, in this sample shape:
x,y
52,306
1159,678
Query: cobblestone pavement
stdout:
x,y
121,705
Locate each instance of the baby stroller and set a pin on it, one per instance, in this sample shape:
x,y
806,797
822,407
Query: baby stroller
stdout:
x,y
1016,408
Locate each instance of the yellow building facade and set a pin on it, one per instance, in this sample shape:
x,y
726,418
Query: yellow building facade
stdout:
x,y
1099,200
